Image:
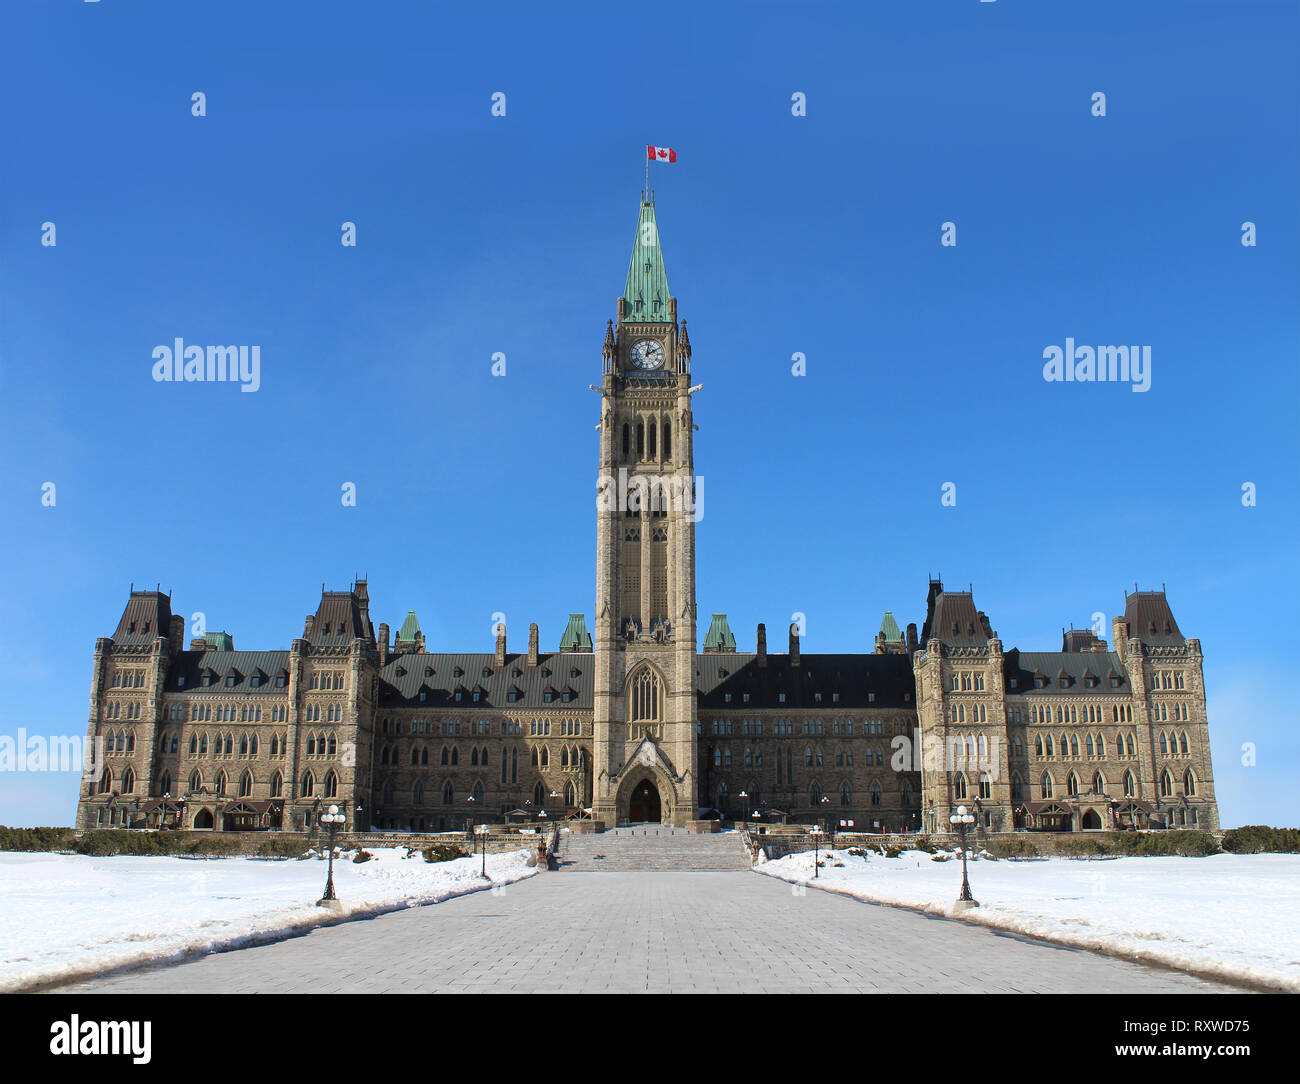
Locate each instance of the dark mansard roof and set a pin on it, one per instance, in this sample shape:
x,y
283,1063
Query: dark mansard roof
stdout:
x,y
854,677
956,622
218,665
440,676
147,616
1064,672
1151,620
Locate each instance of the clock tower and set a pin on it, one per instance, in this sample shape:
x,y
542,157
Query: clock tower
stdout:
x,y
644,763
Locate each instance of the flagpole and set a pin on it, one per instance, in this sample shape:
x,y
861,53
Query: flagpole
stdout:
x,y
645,195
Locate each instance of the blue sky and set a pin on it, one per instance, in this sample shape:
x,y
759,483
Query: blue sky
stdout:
x,y
816,234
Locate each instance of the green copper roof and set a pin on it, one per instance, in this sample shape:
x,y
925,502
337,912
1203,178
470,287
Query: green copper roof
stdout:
x,y
410,627
719,637
576,637
219,641
647,281
890,628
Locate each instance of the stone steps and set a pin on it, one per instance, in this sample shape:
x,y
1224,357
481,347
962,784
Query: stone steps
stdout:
x,y
623,850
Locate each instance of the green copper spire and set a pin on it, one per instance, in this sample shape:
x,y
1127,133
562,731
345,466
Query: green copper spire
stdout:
x,y
410,628
646,293
719,636
576,637
890,628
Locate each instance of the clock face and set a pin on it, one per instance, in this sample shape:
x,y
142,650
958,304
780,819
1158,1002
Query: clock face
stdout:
x,y
647,354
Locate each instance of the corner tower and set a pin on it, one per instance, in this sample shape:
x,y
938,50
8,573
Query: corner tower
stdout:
x,y
645,701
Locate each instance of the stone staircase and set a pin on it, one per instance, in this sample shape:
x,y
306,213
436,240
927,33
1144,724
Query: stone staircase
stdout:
x,y
650,848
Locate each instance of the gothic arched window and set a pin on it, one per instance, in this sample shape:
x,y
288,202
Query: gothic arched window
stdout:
x,y
646,695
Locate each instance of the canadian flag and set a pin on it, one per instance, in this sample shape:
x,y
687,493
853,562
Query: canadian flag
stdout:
x,y
661,154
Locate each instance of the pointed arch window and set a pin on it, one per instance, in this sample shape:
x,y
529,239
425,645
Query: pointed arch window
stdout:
x,y
846,793
1098,783
448,795
1166,784
417,793
246,784
959,786
1046,785
196,781
165,783
277,785
1072,785
646,695
331,784
1130,785
128,781
1189,783
877,795
308,784
986,786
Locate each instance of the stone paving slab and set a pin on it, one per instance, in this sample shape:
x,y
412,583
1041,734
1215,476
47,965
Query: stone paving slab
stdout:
x,y
662,932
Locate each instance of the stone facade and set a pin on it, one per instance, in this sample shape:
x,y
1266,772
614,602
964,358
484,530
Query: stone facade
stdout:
x,y
634,723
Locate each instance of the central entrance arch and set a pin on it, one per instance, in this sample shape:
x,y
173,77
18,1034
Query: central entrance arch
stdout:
x,y
644,804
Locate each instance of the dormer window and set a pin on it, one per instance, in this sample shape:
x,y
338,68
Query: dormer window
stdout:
x,y
780,698
325,629
566,697
206,679
180,680
548,696
726,698
1040,682
1013,683
423,696
458,696
280,681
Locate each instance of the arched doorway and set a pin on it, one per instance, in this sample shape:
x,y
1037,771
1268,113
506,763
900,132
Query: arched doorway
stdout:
x,y
203,819
644,805
1091,821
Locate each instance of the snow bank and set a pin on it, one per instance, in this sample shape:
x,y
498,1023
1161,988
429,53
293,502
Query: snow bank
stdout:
x,y
70,916
1231,916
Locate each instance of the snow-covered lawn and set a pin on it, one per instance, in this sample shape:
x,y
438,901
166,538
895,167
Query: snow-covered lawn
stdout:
x,y
65,916
1232,915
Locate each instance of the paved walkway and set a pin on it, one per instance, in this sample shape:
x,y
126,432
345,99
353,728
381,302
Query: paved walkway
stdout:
x,y
652,932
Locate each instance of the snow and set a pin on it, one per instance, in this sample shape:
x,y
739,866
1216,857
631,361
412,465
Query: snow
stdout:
x,y
1231,916
65,916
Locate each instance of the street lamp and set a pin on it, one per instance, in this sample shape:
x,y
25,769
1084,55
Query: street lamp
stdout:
x,y
962,820
815,832
332,820
482,831
826,801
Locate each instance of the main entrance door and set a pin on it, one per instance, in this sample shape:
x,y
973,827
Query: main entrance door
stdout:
x,y
644,804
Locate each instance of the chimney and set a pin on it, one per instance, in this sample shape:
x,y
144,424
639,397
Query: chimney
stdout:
x,y
532,644
794,643
880,642
306,630
762,644
383,643
176,634
1119,634
501,643
911,637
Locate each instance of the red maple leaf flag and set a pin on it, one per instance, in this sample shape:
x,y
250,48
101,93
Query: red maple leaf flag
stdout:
x,y
660,154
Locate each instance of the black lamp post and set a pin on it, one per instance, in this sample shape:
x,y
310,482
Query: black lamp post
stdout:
x,y
482,831
332,820
830,822
816,832
962,820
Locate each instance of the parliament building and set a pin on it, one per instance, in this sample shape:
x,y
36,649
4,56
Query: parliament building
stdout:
x,y
635,720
